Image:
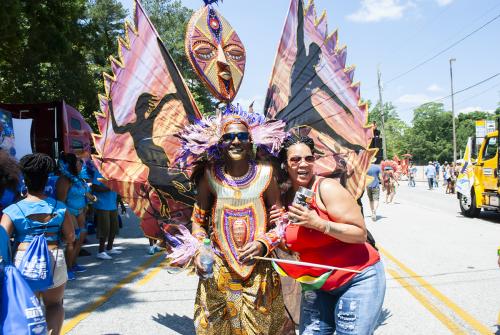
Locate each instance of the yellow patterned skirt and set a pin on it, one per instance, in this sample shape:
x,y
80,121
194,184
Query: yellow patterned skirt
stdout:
x,y
228,305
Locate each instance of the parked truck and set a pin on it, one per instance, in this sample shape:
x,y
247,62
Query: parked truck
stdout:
x,y
56,126
478,183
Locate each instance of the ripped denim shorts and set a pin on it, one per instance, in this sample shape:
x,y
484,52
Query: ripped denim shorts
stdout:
x,y
353,308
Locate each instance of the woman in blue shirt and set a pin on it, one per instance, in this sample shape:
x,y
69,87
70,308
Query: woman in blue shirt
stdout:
x,y
72,190
35,214
9,180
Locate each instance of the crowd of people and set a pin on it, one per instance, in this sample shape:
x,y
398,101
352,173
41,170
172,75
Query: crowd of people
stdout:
x,y
448,172
40,196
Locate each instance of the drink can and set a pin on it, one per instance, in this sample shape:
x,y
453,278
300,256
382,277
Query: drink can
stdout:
x,y
303,197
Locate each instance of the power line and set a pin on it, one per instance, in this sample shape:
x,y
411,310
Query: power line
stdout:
x,y
435,100
443,51
457,92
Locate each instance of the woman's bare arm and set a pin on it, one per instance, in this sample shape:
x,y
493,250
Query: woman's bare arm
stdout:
x,y
348,223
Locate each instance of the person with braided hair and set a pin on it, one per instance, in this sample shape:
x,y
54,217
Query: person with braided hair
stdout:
x,y
9,179
36,212
330,231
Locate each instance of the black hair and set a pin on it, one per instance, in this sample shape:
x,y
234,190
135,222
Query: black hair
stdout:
x,y
9,172
292,140
70,159
282,174
36,169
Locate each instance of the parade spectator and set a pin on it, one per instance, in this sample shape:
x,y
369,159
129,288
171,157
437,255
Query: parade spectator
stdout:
x,y
331,232
412,174
436,176
73,191
38,211
454,172
106,210
9,180
430,174
447,173
373,189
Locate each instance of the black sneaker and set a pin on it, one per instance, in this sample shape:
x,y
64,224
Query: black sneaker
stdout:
x,y
84,253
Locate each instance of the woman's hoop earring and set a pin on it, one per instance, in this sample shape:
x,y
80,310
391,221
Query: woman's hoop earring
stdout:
x,y
283,166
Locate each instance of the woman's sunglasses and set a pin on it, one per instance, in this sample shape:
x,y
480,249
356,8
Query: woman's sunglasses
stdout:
x,y
295,160
242,137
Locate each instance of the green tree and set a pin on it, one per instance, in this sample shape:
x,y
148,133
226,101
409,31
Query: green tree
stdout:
x,y
42,53
105,23
170,19
395,128
430,138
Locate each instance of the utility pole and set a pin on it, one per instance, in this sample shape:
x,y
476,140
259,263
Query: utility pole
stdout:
x,y
382,112
453,112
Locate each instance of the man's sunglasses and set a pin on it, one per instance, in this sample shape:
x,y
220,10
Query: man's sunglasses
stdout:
x,y
297,159
242,137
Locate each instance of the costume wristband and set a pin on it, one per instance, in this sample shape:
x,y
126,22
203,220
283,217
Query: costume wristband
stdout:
x,y
199,216
498,251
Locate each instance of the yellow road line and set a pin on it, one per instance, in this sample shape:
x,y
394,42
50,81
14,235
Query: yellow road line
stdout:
x,y
469,319
450,324
70,324
151,273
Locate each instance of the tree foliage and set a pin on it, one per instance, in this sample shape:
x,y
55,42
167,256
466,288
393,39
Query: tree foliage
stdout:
x,y
54,50
430,136
43,53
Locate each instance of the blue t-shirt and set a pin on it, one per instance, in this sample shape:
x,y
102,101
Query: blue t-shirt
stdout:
x,y
4,246
88,170
25,228
105,200
374,171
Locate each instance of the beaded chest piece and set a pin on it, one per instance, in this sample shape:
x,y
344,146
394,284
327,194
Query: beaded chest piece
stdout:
x,y
239,213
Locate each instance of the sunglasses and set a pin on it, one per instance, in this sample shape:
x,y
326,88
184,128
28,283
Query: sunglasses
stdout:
x,y
295,160
230,137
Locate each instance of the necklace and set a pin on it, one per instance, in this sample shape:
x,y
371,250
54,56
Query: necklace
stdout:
x,y
236,183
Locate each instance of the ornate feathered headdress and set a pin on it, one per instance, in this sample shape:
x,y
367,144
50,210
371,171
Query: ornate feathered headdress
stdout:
x,y
203,137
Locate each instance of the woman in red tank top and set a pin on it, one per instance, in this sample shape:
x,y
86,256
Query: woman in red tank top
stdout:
x,y
331,232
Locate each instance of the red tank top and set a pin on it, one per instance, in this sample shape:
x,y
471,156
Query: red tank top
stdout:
x,y
316,247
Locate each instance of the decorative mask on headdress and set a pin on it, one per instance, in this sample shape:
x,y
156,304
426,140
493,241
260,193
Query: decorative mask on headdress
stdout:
x,y
215,52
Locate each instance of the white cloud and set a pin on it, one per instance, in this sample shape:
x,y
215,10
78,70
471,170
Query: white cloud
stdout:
x,y
378,10
473,109
435,88
414,99
443,3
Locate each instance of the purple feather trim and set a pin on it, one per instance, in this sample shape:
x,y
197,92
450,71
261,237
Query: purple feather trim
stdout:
x,y
183,245
202,138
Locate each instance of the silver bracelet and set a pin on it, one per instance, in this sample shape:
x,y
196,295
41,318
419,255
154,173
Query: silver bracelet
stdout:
x,y
327,227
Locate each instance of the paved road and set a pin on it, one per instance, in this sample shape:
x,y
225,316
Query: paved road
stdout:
x,y
441,268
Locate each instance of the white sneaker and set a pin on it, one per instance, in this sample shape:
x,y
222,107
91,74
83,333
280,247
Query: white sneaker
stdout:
x,y
113,252
103,255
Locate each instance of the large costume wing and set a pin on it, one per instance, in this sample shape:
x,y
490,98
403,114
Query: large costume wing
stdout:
x,y
311,88
146,103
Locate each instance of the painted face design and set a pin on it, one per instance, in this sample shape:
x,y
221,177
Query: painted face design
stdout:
x,y
215,52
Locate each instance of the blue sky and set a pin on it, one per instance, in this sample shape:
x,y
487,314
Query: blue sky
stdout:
x,y
393,34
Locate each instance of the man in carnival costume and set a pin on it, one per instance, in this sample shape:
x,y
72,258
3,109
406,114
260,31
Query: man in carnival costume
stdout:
x,y
234,195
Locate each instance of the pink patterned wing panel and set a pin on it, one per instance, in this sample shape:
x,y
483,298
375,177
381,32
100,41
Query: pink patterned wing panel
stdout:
x,y
311,87
146,103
